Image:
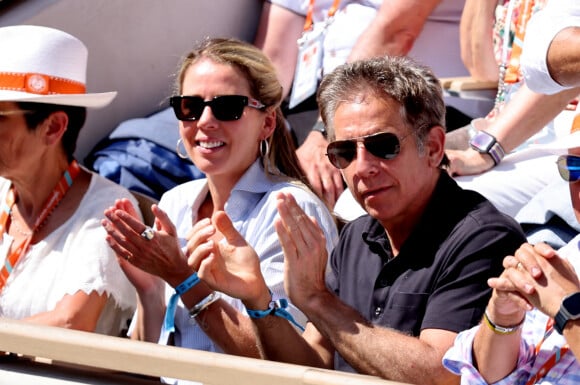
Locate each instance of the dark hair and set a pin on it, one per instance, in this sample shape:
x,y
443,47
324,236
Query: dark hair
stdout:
x,y
41,111
412,85
264,86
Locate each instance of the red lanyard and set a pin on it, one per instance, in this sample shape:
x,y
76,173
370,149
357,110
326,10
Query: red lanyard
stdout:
x,y
554,358
50,204
331,12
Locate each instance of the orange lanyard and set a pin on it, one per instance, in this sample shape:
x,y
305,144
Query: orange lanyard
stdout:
x,y
524,14
308,23
554,358
52,201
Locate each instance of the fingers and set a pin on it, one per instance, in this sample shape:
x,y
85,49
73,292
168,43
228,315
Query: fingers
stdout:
x,y
162,221
506,295
225,226
527,259
332,186
200,233
299,226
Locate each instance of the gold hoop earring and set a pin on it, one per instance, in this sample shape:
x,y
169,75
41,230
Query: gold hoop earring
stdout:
x,y
177,149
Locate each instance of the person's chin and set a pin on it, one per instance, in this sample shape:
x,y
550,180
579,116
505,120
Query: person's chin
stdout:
x,y
374,200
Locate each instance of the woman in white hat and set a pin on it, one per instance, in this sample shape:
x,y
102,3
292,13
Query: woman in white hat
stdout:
x,y
56,266
231,126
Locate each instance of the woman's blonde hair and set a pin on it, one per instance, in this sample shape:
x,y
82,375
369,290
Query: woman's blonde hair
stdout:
x,y
264,86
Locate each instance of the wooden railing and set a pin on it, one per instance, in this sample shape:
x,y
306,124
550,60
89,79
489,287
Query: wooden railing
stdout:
x,y
468,88
68,354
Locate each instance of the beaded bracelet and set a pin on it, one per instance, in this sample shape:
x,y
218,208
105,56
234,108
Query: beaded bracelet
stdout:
x,y
501,329
203,304
276,308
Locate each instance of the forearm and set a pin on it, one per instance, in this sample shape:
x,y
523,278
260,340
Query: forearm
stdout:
x,y
394,29
376,350
564,57
280,341
150,312
229,329
475,36
277,36
526,114
495,355
572,335
79,311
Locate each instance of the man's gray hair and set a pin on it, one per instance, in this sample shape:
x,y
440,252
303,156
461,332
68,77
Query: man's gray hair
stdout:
x,y
412,85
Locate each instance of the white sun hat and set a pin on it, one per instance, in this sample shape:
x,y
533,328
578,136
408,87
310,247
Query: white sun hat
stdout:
x,y
45,65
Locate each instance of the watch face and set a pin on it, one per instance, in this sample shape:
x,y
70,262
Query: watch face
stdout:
x,y
572,305
482,141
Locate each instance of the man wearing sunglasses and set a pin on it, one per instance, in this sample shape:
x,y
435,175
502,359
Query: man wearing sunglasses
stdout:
x,y
403,280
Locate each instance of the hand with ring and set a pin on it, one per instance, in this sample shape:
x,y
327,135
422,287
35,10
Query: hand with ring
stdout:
x,y
148,233
156,252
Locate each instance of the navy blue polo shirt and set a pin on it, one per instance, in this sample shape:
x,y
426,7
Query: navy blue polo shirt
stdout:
x,y
439,278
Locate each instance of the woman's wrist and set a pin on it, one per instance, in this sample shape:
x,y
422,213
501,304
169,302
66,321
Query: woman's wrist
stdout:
x,y
513,320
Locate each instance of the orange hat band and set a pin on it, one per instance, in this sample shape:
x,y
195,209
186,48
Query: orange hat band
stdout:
x,y
40,84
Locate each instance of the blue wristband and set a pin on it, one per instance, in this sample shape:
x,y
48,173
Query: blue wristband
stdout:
x,y
182,288
276,308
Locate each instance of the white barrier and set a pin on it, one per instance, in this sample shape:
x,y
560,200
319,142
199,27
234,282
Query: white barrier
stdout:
x,y
111,355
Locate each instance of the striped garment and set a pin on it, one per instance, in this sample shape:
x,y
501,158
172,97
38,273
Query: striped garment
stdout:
x,y
566,371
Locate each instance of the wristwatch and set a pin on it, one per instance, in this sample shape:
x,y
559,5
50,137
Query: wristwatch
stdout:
x,y
569,310
319,126
485,143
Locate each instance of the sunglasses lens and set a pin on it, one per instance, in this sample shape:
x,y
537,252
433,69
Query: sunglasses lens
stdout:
x,y
569,168
385,145
187,107
341,153
224,108
228,107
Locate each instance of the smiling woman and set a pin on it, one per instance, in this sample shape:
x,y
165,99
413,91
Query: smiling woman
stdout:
x,y
231,126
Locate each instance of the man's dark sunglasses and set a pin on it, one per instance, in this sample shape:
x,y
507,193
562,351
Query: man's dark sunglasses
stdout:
x,y
224,108
385,145
569,167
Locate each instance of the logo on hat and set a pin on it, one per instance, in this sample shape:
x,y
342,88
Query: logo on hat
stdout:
x,y
37,84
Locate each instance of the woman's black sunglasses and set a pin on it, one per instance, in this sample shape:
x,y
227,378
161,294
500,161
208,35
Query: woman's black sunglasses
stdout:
x,y
385,145
224,108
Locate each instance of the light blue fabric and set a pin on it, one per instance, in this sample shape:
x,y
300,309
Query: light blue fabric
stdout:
x,y
252,209
549,216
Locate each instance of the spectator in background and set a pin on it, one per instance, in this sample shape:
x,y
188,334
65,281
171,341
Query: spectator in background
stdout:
x,y
520,119
403,280
228,105
512,346
425,30
57,268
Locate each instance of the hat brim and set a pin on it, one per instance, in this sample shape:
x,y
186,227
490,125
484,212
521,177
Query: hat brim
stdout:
x,y
561,145
96,100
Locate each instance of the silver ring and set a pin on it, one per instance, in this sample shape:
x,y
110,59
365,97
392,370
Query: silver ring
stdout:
x,y
519,266
148,233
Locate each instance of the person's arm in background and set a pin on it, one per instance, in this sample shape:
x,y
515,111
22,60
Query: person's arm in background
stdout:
x,y
551,56
475,38
394,29
564,57
278,31
526,113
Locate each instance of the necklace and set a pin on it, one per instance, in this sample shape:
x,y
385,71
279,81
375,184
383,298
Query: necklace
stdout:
x,y
19,229
28,233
